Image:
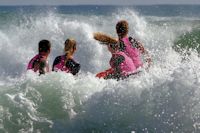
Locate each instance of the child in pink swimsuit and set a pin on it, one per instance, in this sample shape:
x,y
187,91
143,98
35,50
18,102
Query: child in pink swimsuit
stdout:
x,y
39,62
121,64
130,46
66,62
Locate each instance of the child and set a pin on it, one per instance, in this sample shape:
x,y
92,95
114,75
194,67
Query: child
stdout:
x,y
130,46
121,64
66,62
39,62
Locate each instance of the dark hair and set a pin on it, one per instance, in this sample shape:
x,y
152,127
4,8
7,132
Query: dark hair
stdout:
x,y
44,46
122,28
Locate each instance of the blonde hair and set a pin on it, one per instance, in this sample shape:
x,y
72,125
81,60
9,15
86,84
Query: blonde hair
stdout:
x,y
70,47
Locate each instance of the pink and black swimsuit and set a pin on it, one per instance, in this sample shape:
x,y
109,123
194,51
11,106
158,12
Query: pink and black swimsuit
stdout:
x,y
39,60
129,46
70,66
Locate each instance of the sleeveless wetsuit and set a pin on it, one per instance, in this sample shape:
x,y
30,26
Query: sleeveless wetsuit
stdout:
x,y
122,64
130,47
121,67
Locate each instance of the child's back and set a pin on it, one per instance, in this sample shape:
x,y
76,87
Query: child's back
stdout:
x,y
69,66
130,46
39,62
66,62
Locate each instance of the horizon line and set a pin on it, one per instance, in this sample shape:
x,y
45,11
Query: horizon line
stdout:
x,y
100,4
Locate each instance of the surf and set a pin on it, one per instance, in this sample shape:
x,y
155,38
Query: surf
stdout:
x,y
164,99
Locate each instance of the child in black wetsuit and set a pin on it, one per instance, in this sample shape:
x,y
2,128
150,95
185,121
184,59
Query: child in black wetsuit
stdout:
x,y
66,62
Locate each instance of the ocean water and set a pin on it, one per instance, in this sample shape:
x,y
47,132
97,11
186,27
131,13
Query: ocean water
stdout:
x,y
164,99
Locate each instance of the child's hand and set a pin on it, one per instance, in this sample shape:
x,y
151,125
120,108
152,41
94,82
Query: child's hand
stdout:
x,y
149,61
36,66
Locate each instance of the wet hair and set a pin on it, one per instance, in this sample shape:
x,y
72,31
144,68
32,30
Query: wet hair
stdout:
x,y
44,46
70,44
70,47
122,28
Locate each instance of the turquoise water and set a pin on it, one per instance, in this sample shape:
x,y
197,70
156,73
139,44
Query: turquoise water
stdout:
x,y
164,99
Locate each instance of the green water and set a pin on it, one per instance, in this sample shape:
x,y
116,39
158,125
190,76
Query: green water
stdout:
x,y
189,41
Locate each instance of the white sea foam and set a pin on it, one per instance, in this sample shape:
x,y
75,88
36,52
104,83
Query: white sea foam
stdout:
x,y
164,99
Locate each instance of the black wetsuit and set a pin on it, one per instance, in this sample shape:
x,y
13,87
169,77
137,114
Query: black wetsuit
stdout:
x,y
73,66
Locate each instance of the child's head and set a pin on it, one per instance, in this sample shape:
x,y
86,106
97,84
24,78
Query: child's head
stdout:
x,y
70,46
44,47
122,28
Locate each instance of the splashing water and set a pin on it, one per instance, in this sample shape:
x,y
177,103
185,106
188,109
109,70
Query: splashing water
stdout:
x,y
165,99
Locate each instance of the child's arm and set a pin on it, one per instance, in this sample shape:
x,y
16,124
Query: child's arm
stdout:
x,y
36,66
73,66
47,67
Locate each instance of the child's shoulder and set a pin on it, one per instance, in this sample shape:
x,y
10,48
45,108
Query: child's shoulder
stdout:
x,y
59,57
134,42
57,60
